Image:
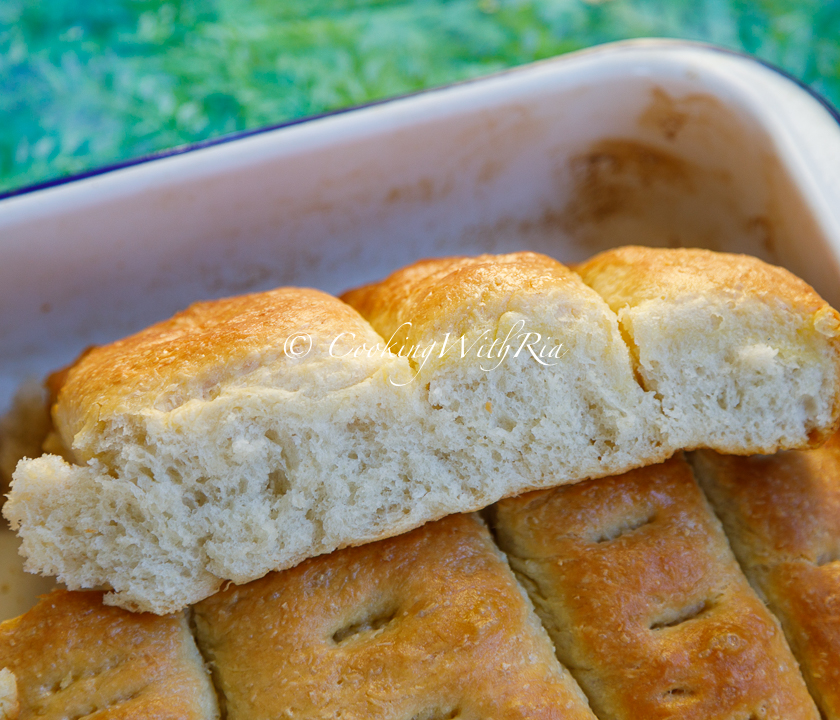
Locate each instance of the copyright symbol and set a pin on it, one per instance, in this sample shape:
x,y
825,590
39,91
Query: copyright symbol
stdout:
x,y
297,346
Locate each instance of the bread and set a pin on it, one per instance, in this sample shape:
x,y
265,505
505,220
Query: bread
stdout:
x,y
72,657
427,625
207,449
630,574
9,704
247,434
742,355
528,372
647,607
782,515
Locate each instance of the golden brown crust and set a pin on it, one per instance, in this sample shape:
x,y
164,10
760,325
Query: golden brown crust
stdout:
x,y
807,600
73,657
782,515
632,275
426,625
646,604
778,507
197,350
459,294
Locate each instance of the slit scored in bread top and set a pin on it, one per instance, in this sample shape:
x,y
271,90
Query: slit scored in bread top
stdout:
x,y
782,515
636,584
247,434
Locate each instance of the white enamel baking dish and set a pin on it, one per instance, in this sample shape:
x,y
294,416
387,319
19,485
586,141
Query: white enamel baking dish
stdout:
x,y
648,142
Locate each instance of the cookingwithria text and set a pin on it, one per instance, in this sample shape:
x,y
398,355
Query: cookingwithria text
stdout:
x,y
492,350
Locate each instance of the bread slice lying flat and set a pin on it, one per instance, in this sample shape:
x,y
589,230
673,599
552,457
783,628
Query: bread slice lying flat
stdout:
x,y
71,657
247,434
427,625
636,584
782,515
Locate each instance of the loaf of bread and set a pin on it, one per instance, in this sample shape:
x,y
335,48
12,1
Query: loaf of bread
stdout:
x,y
782,515
427,625
247,434
72,657
634,580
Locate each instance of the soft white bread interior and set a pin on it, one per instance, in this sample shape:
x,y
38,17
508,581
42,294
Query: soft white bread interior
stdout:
x,y
234,439
743,356
9,702
521,367
247,434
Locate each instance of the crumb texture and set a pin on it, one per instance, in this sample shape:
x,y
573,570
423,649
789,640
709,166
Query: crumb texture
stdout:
x,y
742,355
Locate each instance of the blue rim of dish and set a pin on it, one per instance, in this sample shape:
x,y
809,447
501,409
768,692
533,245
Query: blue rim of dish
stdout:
x,y
222,139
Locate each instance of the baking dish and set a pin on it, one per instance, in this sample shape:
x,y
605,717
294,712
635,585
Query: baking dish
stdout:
x,y
644,142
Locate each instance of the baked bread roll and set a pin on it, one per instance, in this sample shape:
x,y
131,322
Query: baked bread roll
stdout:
x,y
72,657
427,625
744,357
782,515
231,440
9,704
247,434
526,370
647,607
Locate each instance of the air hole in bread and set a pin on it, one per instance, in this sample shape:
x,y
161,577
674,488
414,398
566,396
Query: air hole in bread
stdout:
x,y
674,618
367,624
506,423
623,527
278,483
677,694
199,498
272,435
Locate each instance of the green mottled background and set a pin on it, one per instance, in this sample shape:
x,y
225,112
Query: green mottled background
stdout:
x,y
88,83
